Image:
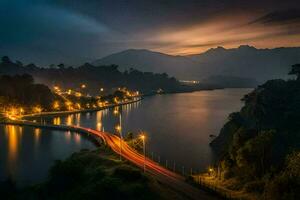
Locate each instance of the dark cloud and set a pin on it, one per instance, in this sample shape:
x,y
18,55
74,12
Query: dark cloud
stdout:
x,y
52,31
282,16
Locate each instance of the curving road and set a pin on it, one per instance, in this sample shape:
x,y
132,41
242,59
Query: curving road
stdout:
x,y
162,174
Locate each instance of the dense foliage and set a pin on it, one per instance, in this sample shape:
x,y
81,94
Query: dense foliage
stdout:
x,y
21,90
95,77
254,144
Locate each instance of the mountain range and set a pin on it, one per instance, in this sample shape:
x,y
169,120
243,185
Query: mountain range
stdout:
x,y
243,63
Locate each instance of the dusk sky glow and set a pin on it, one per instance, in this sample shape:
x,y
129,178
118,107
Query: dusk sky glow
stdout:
x,y
78,31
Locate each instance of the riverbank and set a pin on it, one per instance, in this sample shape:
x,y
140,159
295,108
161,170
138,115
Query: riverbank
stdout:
x,y
45,114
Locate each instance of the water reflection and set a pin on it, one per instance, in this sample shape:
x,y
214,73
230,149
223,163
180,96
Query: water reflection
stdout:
x,y
77,138
68,136
37,133
77,116
99,121
56,121
70,120
27,153
14,135
177,125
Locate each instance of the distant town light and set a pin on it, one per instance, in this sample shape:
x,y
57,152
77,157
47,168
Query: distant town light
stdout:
x,y
56,105
78,94
37,109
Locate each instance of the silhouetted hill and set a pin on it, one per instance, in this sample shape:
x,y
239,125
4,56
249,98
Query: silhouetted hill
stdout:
x,y
244,62
146,60
259,146
95,77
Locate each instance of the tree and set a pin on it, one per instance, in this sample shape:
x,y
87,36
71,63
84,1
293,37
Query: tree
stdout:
x,y
286,185
5,59
255,155
295,71
61,66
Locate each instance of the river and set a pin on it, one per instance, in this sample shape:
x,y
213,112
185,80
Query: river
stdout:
x,y
177,128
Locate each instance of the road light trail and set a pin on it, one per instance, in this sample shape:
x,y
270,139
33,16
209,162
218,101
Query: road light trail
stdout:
x,y
162,174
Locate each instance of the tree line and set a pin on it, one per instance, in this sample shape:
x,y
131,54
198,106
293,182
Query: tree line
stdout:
x,y
95,77
260,145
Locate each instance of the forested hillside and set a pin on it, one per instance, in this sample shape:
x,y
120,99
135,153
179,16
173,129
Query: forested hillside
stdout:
x,y
259,146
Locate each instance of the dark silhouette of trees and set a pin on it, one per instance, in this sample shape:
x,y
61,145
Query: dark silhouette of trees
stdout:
x,y
108,77
61,66
295,71
21,90
253,145
5,59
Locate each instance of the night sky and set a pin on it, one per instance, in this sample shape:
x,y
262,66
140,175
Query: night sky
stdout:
x,y
77,31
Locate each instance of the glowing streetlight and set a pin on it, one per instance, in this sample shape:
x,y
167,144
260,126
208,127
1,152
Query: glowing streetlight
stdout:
x,y
143,137
101,89
119,130
78,94
83,86
210,170
55,105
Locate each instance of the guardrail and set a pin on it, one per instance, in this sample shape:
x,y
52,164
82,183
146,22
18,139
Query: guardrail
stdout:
x,y
216,189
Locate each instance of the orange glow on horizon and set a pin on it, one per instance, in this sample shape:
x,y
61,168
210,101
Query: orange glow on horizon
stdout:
x,y
227,30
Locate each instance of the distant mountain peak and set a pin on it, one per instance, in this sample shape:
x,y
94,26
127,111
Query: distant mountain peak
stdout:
x,y
241,61
245,46
217,49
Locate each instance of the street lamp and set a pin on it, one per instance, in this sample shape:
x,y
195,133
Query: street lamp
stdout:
x,y
119,130
210,171
144,150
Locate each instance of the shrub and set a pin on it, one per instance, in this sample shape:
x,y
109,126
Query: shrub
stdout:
x,y
127,173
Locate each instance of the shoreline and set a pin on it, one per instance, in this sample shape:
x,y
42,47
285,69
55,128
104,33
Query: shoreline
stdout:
x,y
43,114
159,172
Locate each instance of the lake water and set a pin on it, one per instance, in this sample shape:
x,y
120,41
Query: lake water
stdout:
x,y
26,154
177,127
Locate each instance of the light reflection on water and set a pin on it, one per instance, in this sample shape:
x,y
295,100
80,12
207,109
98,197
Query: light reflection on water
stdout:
x,y
177,125
27,153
